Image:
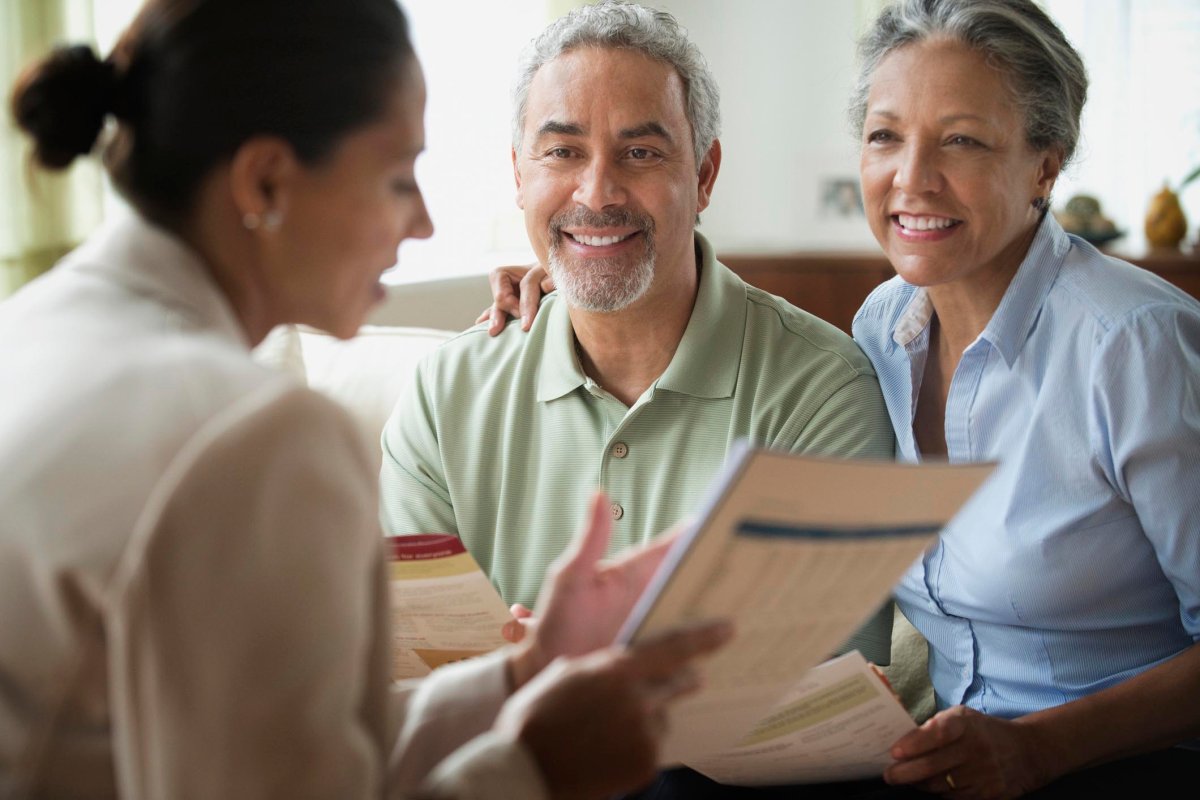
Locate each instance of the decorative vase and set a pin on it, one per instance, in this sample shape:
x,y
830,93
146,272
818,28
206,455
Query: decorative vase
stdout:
x,y
1165,223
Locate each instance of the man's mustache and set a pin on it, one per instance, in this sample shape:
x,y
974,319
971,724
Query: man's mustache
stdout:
x,y
614,218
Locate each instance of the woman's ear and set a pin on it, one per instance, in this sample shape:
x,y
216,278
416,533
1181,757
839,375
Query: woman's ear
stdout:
x,y
261,177
1048,170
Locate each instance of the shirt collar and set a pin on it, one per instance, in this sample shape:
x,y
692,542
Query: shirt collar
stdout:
x,y
1010,326
708,357
914,318
152,262
1013,320
559,372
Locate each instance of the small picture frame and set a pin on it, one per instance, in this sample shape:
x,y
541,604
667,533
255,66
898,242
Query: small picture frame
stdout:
x,y
840,198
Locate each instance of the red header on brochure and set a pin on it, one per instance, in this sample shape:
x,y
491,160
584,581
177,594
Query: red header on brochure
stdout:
x,y
424,546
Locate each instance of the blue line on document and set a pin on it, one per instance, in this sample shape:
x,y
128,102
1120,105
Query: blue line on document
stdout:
x,y
770,531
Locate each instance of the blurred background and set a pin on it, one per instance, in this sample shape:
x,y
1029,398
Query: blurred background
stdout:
x,y
788,184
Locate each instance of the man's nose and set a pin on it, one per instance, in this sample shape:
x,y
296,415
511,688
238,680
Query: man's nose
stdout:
x,y
599,186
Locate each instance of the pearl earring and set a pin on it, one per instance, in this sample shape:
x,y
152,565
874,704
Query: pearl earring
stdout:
x,y
269,221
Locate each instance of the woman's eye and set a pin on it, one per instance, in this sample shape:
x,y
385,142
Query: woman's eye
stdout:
x,y
875,137
963,140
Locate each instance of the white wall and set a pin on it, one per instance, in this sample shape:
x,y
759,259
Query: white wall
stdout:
x,y
785,69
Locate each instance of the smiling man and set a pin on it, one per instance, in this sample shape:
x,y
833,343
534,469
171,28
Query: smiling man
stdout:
x,y
650,360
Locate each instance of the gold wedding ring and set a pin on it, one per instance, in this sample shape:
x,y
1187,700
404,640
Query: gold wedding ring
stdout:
x,y
950,781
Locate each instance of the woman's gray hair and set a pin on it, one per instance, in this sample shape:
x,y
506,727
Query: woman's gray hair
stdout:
x,y
617,24
1046,75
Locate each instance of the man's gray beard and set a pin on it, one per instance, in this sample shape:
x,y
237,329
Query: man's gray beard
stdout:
x,y
603,284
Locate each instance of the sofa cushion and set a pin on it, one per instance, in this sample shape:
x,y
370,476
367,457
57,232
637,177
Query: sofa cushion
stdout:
x,y
366,374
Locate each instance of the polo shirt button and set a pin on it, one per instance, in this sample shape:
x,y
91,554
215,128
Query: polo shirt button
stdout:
x,y
617,511
620,450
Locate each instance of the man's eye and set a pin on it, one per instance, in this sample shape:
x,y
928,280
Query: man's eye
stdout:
x,y
559,152
639,153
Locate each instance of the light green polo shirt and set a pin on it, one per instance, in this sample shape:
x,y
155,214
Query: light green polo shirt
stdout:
x,y
502,440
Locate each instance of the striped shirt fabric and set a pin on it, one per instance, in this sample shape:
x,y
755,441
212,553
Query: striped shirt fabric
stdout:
x,y
1077,565
502,440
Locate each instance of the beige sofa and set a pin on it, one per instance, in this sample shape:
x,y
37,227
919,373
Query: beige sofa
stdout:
x,y
368,373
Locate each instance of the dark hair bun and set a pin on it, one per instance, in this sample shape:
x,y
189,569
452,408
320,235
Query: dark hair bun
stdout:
x,y
61,102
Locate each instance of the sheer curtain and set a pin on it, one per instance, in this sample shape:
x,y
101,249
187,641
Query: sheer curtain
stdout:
x,y
44,215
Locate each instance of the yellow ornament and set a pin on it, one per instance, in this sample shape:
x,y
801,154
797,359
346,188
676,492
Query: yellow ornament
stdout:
x,y
1165,223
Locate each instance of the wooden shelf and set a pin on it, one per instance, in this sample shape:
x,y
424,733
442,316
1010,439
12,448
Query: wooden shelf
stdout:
x,y
834,284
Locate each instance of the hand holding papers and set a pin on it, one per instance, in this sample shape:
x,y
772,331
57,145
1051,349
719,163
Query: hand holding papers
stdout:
x,y
798,552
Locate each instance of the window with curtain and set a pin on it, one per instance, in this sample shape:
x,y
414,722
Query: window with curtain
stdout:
x,y
1141,125
44,215
465,172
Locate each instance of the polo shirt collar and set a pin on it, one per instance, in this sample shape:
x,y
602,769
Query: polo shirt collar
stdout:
x,y
709,355
559,372
708,358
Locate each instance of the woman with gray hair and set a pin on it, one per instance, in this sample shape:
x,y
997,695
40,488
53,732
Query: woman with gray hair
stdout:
x,y
1062,606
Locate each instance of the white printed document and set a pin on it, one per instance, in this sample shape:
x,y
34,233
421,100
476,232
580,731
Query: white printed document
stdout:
x,y
444,608
798,552
837,723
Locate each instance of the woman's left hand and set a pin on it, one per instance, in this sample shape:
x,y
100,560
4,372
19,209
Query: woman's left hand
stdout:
x,y
960,752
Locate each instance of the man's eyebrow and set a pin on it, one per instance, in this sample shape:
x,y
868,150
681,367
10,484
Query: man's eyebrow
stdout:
x,y
554,128
651,128
647,129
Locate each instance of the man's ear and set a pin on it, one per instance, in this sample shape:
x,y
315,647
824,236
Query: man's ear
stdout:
x,y
262,175
709,168
517,179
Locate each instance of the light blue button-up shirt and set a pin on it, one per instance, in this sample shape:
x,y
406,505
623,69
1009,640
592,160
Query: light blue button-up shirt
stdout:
x,y
1077,565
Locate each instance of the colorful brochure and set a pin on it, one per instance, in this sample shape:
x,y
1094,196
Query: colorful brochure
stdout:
x,y
444,608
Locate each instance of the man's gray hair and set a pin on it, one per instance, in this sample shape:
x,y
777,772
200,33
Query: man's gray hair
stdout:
x,y
617,24
1045,73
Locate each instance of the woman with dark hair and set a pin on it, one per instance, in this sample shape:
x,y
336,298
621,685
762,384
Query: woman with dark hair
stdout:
x,y
190,561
